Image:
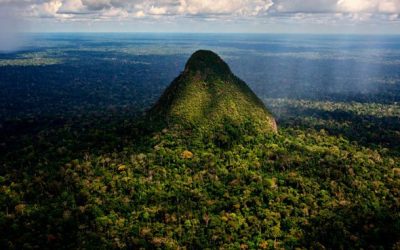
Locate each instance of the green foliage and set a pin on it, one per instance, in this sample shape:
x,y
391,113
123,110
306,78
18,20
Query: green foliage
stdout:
x,y
206,94
298,188
107,182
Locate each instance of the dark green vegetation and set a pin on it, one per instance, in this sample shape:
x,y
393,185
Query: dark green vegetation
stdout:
x,y
83,173
299,188
207,95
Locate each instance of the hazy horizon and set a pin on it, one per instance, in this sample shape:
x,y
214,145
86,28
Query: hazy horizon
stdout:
x,y
194,16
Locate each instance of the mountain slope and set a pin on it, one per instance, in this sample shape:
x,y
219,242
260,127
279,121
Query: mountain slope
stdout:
x,y
207,93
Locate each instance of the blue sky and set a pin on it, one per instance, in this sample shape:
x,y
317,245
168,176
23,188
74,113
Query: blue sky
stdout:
x,y
261,16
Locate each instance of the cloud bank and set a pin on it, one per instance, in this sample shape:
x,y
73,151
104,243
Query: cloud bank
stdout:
x,y
53,15
101,9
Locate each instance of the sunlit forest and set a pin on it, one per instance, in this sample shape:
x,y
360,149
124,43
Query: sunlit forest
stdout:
x,y
81,169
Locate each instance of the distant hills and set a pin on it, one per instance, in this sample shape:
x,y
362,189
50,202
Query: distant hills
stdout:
x,y
207,94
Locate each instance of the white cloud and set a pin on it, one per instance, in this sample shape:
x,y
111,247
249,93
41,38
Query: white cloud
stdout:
x,y
139,14
157,10
360,10
389,6
306,6
46,9
72,6
370,6
235,7
115,13
356,5
97,4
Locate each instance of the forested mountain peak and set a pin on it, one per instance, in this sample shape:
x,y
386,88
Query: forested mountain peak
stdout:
x,y
206,61
208,95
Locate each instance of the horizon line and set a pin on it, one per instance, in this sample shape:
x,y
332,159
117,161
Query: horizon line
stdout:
x,y
211,33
